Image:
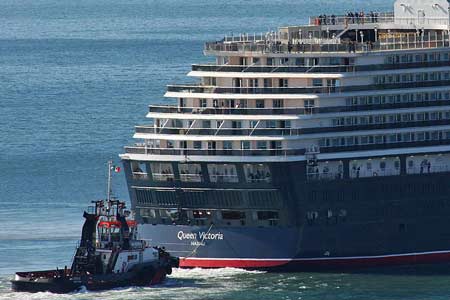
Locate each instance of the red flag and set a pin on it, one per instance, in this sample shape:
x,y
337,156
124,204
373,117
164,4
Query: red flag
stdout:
x,y
117,169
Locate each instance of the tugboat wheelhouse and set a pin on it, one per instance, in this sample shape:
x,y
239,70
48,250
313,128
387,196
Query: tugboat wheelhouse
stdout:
x,y
318,146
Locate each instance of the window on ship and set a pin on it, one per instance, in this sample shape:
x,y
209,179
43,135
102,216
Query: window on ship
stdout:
x,y
202,217
190,172
259,103
147,215
257,173
270,218
222,173
139,170
169,215
233,217
162,171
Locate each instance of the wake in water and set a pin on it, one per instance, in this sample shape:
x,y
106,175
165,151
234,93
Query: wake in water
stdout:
x,y
182,284
208,273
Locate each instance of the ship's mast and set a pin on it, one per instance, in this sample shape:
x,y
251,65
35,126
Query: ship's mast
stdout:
x,y
109,192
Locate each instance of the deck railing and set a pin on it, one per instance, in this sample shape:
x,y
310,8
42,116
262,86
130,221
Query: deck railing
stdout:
x,y
141,149
224,110
366,18
215,152
195,88
276,132
425,169
389,44
318,68
375,18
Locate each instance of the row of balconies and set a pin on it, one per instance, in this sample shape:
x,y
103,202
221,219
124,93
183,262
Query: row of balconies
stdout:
x,y
328,46
284,131
142,149
196,88
316,69
289,110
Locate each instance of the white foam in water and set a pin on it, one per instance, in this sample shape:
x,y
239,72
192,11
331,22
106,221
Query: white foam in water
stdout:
x,y
181,283
198,273
32,296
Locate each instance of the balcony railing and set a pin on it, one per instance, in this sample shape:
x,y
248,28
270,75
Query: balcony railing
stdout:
x,y
428,170
302,90
230,110
376,18
325,176
223,178
140,175
202,152
368,18
413,42
163,177
317,69
412,144
280,152
290,110
190,177
370,173
278,132
221,131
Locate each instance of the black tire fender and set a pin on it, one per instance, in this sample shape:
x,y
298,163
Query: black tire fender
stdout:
x,y
168,270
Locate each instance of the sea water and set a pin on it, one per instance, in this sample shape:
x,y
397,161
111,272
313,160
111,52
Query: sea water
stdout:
x,y
75,77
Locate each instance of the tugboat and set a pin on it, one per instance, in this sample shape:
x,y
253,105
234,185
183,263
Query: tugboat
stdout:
x,y
108,255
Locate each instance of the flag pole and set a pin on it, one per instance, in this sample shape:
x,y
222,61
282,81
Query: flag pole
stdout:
x,y
108,198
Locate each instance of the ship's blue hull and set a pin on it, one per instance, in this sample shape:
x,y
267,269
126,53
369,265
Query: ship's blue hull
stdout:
x,y
322,225
268,249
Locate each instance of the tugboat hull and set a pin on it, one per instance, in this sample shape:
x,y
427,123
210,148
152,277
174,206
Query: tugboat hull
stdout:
x,y
54,281
108,256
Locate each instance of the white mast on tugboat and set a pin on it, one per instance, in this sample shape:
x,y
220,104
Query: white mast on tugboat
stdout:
x,y
109,187
109,192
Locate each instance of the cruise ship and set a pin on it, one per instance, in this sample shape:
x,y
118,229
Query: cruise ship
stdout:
x,y
323,146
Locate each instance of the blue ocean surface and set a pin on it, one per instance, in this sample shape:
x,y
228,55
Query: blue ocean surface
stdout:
x,y
75,78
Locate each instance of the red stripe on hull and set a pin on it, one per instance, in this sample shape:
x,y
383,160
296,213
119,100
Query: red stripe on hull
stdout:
x,y
230,263
321,263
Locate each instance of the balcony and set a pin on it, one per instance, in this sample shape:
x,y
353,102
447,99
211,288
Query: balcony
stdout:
x,y
222,131
443,168
142,149
230,110
211,152
321,45
384,146
282,132
303,90
169,109
375,18
318,68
